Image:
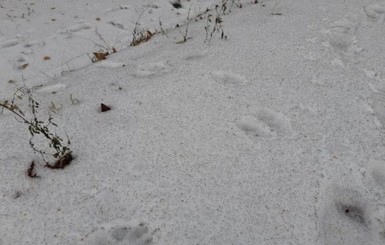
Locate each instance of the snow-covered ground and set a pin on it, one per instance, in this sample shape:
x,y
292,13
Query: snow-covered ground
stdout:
x,y
48,38
273,136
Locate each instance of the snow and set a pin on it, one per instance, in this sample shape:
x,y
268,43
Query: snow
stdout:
x,y
266,123
273,136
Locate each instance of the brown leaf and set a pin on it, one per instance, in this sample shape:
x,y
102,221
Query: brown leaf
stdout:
x,y
104,108
22,67
143,37
100,56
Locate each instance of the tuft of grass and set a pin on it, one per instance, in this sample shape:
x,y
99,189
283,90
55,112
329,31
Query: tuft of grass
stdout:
x,y
104,49
140,35
184,34
214,23
58,147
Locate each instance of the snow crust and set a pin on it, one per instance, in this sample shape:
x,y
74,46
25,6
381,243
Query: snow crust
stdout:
x,y
273,136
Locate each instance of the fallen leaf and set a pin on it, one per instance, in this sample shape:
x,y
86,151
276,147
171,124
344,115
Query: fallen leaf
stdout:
x,y
141,38
104,107
98,56
22,67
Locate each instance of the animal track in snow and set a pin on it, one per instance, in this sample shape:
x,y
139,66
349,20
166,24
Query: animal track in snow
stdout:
x,y
109,64
266,123
375,179
53,88
379,108
149,69
117,8
9,43
151,6
375,12
117,24
119,235
228,78
34,43
345,218
342,36
196,55
80,26
370,74
376,170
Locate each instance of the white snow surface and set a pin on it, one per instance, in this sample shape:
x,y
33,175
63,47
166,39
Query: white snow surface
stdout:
x,y
272,136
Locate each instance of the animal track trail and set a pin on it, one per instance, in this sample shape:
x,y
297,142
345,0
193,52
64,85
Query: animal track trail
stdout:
x,y
265,124
119,235
228,78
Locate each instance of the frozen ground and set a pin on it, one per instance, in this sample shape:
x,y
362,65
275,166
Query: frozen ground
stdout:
x,y
273,136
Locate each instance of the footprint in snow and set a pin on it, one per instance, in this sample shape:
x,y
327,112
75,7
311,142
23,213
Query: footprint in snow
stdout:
x,y
375,180
20,63
228,78
118,8
375,12
109,64
265,123
195,56
378,106
51,88
150,69
376,169
151,6
9,43
342,36
119,235
117,24
346,218
80,26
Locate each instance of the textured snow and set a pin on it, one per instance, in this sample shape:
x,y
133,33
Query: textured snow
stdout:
x,y
273,136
